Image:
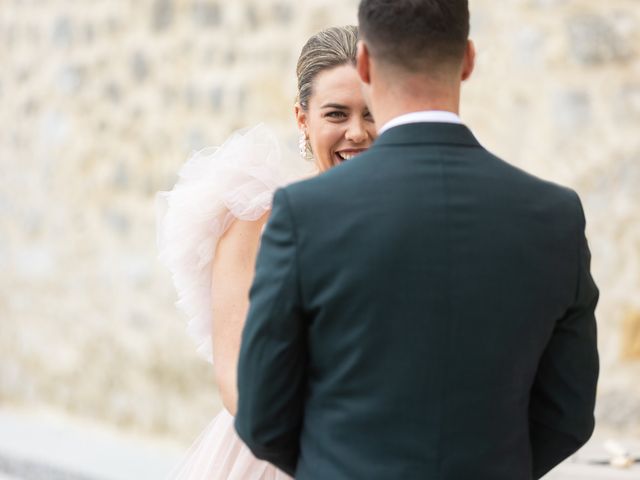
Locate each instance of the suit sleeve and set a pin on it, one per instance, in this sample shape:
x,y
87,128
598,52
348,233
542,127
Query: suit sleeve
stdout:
x,y
563,395
272,363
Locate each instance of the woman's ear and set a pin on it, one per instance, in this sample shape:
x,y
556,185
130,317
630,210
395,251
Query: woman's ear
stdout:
x,y
301,117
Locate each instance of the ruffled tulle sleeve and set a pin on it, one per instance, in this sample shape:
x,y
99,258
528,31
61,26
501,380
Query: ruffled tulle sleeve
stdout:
x,y
215,187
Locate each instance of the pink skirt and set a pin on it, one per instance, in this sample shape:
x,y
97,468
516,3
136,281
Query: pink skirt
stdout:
x,y
219,454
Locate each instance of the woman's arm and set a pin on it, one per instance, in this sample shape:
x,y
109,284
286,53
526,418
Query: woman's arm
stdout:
x,y
232,276
273,363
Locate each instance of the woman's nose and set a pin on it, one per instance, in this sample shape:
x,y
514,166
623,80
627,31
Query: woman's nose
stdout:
x,y
356,132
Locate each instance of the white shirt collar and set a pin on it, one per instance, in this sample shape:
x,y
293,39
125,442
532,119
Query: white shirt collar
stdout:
x,y
419,117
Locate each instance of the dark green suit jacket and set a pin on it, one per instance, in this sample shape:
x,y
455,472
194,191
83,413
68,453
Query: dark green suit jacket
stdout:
x,y
423,311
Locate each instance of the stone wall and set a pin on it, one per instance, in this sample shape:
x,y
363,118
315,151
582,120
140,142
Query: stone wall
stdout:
x,y
101,101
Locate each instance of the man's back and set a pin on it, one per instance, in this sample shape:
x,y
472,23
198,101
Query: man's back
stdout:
x,y
424,311
433,278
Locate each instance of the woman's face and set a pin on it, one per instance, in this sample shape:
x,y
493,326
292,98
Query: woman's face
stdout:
x,y
337,122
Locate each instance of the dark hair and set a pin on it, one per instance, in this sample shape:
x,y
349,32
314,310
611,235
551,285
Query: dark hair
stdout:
x,y
327,49
415,35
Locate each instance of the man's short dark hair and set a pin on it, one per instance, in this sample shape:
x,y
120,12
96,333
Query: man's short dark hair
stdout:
x,y
415,34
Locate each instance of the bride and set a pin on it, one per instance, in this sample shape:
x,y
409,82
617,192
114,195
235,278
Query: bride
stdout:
x,y
209,231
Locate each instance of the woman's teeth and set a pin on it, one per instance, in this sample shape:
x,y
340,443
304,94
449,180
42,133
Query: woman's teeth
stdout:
x,y
346,156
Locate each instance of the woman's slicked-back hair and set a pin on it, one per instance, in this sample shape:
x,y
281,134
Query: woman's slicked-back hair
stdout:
x,y
415,35
327,49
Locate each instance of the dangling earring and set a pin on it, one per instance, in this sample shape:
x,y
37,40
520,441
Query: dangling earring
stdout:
x,y
302,144
304,147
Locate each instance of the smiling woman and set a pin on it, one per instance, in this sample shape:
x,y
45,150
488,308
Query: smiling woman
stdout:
x,y
333,118
213,222
337,121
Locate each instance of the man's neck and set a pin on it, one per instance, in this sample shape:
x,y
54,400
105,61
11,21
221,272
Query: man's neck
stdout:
x,y
395,101
383,119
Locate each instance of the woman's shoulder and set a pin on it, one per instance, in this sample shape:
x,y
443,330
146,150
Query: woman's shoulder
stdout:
x,y
237,247
217,187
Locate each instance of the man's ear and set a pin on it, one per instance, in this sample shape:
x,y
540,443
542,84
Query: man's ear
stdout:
x,y
363,65
301,117
469,61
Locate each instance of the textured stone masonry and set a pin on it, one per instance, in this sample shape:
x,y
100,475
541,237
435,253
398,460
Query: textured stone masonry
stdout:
x,y
101,102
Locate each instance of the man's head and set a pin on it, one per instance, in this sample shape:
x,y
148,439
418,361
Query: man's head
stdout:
x,y
415,35
414,43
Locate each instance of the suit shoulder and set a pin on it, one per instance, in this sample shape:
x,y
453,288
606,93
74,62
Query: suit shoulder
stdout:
x,y
555,193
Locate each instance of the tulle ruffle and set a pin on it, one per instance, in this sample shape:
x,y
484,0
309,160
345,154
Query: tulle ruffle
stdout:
x,y
215,187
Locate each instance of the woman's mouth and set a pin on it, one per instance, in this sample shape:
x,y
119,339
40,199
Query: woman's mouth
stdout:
x,y
344,155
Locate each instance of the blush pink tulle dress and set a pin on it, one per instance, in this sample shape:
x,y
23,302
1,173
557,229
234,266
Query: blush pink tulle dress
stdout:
x,y
215,187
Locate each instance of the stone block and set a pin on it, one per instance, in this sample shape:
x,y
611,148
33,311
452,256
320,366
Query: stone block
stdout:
x,y
117,221
252,17
162,15
631,336
216,98
207,13
283,12
62,34
595,40
112,91
530,43
69,79
139,65
627,107
89,33
571,110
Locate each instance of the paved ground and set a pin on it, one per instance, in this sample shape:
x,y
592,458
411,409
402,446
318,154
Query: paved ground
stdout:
x,y
590,463
45,447
19,469
591,472
49,448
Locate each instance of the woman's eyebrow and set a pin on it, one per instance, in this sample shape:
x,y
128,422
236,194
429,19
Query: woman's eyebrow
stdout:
x,y
335,105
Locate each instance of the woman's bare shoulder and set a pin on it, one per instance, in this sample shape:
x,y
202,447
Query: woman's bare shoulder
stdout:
x,y
240,242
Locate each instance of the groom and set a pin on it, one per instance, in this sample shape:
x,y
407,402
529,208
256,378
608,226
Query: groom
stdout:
x,y
424,311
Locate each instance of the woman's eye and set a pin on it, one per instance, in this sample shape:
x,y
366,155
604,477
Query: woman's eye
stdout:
x,y
368,116
337,114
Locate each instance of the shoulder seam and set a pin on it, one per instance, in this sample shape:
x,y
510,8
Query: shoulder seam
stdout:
x,y
296,259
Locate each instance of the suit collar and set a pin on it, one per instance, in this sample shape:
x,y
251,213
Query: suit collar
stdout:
x,y
428,133
440,116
